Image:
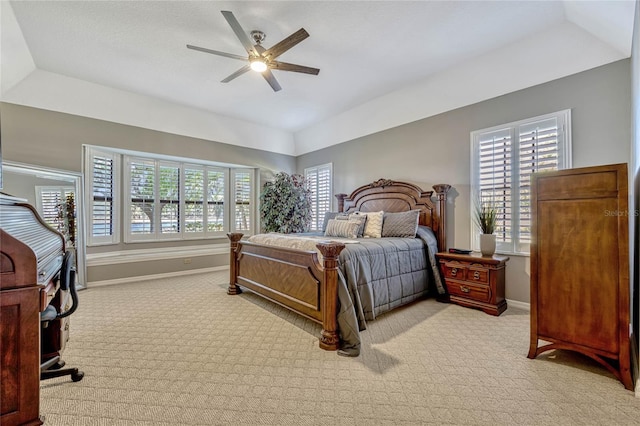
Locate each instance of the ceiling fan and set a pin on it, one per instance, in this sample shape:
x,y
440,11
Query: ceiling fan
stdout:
x,y
260,59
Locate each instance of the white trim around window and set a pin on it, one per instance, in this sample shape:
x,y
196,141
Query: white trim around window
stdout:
x,y
102,195
503,158
161,198
319,180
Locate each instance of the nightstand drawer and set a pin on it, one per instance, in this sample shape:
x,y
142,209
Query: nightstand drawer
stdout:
x,y
479,293
477,274
454,270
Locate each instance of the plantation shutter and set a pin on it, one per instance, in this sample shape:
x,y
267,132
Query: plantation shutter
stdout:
x,y
504,158
48,202
495,179
242,195
319,183
538,151
142,196
311,177
216,183
51,204
194,200
169,198
102,183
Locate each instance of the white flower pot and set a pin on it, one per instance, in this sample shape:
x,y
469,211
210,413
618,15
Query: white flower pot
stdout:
x,y
487,244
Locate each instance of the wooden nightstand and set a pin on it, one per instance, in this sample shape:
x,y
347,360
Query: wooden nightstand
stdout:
x,y
475,281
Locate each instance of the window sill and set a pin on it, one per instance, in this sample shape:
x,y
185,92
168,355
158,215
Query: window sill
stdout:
x,y
154,254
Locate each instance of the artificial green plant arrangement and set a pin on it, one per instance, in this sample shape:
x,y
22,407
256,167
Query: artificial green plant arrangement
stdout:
x,y
285,204
485,217
66,218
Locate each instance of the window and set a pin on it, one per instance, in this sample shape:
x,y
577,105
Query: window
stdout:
x,y
49,202
242,200
503,159
154,199
102,171
166,198
319,182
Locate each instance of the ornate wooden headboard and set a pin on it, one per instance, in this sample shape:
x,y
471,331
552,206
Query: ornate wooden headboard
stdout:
x,y
392,196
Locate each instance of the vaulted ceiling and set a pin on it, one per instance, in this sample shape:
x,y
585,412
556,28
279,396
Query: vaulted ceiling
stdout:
x,y
382,63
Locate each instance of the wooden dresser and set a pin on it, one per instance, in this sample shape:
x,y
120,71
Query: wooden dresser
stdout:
x,y
475,281
580,265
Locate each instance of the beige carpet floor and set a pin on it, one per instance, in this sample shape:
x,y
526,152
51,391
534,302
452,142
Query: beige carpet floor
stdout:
x,y
182,352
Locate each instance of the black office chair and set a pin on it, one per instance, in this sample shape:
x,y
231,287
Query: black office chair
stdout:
x,y
53,366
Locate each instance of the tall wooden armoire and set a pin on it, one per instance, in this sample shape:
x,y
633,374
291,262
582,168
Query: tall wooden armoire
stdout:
x,y
580,265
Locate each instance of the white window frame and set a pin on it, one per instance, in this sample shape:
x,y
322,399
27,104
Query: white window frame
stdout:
x,y
62,190
318,215
114,238
232,201
156,235
205,206
121,220
515,246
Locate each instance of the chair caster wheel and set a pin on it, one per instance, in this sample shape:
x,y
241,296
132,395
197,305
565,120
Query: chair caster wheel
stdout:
x,y
57,366
76,377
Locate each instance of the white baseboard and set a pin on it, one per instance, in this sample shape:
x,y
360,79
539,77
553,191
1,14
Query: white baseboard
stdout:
x,y
125,280
520,305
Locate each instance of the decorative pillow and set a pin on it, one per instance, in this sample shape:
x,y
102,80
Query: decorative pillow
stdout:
x,y
328,216
361,220
403,224
373,225
342,228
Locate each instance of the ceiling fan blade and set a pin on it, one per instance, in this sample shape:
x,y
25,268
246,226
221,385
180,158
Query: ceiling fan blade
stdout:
x,y
240,33
215,52
286,44
237,73
284,66
268,75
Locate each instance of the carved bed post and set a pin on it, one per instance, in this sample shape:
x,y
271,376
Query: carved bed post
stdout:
x,y
234,237
329,339
441,190
341,198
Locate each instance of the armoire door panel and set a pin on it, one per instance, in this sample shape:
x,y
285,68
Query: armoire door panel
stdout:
x,y
578,264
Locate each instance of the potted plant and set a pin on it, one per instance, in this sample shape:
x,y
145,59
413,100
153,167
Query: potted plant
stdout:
x,y
485,217
285,204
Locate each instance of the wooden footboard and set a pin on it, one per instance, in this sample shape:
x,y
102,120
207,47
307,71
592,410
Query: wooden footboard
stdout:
x,y
291,278
297,280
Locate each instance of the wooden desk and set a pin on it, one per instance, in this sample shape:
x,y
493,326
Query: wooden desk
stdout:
x,y
19,339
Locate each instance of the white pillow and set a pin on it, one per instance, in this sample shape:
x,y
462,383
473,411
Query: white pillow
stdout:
x,y
373,225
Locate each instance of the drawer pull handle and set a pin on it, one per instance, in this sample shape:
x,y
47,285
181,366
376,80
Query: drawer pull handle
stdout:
x,y
454,272
464,289
476,275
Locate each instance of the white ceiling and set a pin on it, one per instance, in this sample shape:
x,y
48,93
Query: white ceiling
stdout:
x,y
383,63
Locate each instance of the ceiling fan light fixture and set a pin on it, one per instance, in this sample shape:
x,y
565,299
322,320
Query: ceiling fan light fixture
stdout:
x,y
261,60
258,65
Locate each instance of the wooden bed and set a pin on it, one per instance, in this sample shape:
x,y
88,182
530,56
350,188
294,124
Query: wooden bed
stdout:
x,y
297,280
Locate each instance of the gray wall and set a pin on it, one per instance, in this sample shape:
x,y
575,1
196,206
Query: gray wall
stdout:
x,y
51,139
24,185
437,149
426,152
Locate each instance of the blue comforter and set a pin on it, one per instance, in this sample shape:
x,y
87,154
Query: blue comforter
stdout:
x,y
380,274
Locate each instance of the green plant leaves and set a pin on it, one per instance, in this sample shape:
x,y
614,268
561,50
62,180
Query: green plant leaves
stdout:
x,y
485,216
285,204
